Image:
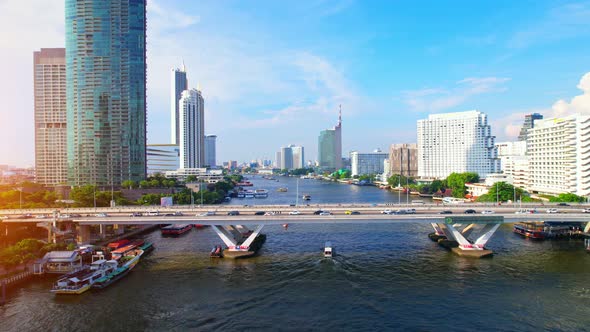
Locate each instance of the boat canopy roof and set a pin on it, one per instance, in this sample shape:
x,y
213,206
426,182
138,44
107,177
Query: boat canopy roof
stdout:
x,y
61,256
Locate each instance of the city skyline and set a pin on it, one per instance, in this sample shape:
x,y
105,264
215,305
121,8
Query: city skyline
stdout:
x,y
260,87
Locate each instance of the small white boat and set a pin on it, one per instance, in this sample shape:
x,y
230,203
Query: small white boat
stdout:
x,y
328,252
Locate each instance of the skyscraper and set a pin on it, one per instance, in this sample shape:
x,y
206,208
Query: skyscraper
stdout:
x,y
106,91
286,157
367,163
51,162
330,147
179,83
298,157
191,110
529,122
210,150
403,159
456,142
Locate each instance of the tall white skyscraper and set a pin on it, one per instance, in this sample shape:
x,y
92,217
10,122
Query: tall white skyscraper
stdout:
x,y
191,111
179,83
298,156
51,158
456,142
210,150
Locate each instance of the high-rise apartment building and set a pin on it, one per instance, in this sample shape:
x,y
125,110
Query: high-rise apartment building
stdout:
x,y
403,159
278,160
192,129
49,70
210,150
367,163
529,122
106,91
514,162
298,156
330,147
286,157
558,154
179,83
162,158
456,142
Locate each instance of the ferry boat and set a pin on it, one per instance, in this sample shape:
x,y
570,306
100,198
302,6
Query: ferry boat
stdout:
x,y
260,193
118,244
216,252
81,281
125,264
244,184
117,254
328,252
282,189
177,229
533,230
306,197
147,247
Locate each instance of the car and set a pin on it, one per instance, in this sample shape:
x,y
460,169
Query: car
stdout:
x,y
318,212
325,213
178,213
76,215
400,211
387,211
410,211
524,211
487,212
64,216
41,216
354,212
259,213
446,212
562,204
269,213
294,213
233,213
470,211
169,215
101,215
136,214
552,210
206,214
586,210
153,213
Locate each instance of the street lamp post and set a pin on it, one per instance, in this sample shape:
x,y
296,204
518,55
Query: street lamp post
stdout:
x,y
20,197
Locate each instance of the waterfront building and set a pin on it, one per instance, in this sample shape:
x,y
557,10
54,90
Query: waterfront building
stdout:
x,y
559,155
456,142
179,83
287,157
202,174
403,159
192,129
278,160
330,147
298,156
367,163
529,122
162,158
49,77
105,91
210,151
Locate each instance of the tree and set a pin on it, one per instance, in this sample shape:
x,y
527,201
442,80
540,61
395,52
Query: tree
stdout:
x,y
128,184
456,182
144,184
568,197
396,180
84,195
502,192
191,178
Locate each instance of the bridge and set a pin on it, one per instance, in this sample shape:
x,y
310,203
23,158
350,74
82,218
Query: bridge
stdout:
x,y
231,223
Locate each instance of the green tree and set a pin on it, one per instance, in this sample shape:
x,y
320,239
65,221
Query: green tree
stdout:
x,y
568,197
130,184
501,191
144,184
191,179
396,180
456,182
84,195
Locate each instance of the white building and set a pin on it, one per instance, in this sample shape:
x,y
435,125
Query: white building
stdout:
x,y
202,174
514,161
559,152
367,163
456,142
298,156
162,158
192,129
178,84
210,150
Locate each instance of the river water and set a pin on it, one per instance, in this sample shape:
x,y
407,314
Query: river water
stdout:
x,y
384,277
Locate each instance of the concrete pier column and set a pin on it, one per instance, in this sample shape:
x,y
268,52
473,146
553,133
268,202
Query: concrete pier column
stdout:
x,y
471,239
83,234
102,231
225,236
119,229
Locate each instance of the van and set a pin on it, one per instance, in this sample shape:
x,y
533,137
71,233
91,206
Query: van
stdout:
x,y
153,213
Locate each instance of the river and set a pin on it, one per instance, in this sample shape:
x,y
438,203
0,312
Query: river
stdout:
x,y
384,277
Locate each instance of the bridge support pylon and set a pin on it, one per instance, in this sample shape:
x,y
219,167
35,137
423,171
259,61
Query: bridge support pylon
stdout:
x,y
240,241
470,240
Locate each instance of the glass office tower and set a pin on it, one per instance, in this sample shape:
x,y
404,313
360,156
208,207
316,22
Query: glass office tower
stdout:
x,y
106,91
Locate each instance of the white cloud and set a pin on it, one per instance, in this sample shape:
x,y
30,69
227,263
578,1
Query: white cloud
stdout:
x,y
440,99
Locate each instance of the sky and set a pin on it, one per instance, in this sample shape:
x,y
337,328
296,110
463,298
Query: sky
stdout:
x,y
274,73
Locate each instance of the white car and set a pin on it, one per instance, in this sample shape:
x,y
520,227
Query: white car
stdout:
x,y
387,212
206,214
41,216
552,211
295,213
325,213
587,210
101,215
269,213
487,212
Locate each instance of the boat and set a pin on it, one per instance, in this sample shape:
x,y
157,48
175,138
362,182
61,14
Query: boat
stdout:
x,y
147,247
176,229
306,197
282,189
285,226
116,254
81,281
126,263
533,230
216,252
118,244
328,252
244,184
260,193
241,194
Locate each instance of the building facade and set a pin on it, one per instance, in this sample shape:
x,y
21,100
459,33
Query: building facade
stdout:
x,y
529,122
403,159
559,155
210,150
298,157
179,83
192,129
106,91
367,163
456,142
51,158
330,148
287,157
162,158
514,162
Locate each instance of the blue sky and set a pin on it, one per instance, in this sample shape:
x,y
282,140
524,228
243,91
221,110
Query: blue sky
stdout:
x,y
274,72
